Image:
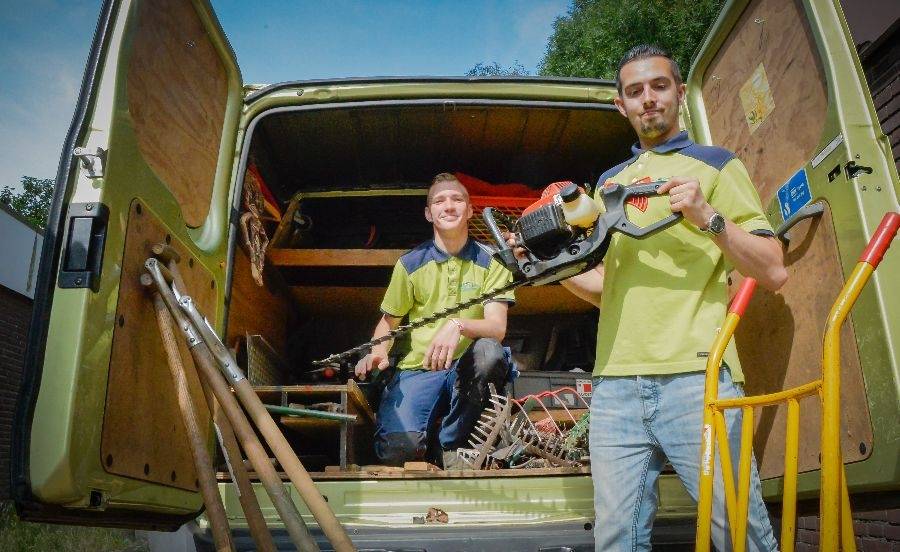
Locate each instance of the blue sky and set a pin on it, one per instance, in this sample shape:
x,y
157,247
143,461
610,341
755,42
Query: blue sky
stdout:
x,y
44,44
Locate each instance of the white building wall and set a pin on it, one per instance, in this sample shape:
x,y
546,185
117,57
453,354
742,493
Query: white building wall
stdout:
x,y
20,253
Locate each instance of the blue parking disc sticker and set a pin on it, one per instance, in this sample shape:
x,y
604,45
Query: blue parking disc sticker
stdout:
x,y
794,194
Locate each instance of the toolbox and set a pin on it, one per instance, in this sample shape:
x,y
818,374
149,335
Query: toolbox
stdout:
x,y
535,383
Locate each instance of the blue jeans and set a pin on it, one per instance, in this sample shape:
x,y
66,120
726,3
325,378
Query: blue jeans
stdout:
x,y
637,422
414,400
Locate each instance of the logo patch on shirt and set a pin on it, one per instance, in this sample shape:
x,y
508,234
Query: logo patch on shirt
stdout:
x,y
469,286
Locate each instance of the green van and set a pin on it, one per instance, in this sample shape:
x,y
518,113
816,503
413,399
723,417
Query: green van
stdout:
x,y
165,134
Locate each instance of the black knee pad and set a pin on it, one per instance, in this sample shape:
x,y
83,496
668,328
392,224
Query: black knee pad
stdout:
x,y
394,449
488,360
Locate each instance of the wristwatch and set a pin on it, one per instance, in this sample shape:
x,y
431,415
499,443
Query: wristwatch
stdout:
x,y
715,225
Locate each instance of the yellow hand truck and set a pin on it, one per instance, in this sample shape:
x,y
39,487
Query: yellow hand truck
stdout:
x,y
836,521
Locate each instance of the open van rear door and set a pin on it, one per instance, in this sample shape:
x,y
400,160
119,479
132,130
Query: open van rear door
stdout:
x,y
148,159
779,83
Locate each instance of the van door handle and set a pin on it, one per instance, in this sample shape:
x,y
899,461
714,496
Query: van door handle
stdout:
x,y
808,211
82,260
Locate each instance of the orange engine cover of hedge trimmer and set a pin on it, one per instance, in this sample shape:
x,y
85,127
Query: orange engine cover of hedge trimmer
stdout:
x,y
547,195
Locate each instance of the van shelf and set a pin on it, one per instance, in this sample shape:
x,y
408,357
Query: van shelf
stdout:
x,y
351,439
334,257
386,472
283,395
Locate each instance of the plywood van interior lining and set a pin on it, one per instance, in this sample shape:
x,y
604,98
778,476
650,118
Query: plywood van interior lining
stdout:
x,y
787,137
397,146
141,404
178,128
779,343
769,65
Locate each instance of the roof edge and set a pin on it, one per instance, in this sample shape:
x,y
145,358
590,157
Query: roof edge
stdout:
x,y
253,96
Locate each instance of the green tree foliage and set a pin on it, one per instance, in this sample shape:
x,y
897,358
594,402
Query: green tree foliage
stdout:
x,y
33,202
496,70
590,40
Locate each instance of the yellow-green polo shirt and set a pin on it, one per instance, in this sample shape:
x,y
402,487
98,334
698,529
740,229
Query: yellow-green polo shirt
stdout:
x,y
665,296
427,280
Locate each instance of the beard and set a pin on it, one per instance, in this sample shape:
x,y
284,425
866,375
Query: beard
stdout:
x,y
654,128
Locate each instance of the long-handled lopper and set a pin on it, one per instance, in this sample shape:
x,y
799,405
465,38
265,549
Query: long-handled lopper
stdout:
x,y
249,442
224,432
209,490
204,340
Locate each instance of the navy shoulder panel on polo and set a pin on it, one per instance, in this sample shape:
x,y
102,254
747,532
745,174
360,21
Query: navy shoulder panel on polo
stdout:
x,y
419,256
483,254
476,252
675,143
713,156
609,173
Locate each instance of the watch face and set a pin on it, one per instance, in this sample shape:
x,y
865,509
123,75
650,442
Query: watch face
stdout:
x,y
716,223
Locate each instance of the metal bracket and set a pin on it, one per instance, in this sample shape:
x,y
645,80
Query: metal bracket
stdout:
x,y
834,173
93,161
227,363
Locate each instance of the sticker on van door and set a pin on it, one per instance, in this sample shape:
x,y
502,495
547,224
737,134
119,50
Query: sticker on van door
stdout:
x,y
794,194
756,98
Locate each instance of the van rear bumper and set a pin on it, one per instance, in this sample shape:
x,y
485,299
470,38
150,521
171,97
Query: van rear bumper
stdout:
x,y
668,536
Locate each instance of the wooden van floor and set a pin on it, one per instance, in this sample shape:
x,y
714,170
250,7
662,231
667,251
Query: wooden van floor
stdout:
x,y
378,471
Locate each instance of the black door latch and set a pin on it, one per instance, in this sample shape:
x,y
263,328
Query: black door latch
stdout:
x,y
82,259
852,169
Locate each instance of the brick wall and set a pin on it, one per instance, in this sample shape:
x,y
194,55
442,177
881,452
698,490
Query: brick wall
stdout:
x,y
876,531
15,315
881,63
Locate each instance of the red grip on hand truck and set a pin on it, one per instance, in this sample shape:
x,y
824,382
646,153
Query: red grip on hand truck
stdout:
x,y
742,297
881,239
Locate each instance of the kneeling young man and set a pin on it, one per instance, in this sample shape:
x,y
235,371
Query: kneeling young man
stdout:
x,y
446,372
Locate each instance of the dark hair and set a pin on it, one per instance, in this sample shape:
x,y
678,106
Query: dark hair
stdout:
x,y
443,177
644,51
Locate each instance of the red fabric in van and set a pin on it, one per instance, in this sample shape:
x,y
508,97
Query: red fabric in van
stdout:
x,y
478,187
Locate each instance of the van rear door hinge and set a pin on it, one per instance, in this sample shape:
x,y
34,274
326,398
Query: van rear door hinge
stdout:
x,y
93,160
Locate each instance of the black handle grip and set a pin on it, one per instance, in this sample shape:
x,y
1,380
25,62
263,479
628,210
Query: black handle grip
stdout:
x,y
615,196
805,212
649,188
504,253
630,229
